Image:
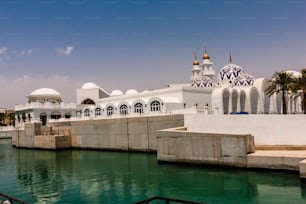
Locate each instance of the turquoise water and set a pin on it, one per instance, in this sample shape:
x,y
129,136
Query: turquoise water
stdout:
x,y
80,176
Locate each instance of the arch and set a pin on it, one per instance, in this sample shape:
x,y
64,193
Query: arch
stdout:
x,y
43,118
158,99
242,101
155,106
225,100
29,117
86,112
98,111
138,108
124,109
55,115
67,115
110,110
88,101
254,96
234,100
24,117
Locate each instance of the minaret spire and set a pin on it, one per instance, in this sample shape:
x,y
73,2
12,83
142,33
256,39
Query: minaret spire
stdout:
x,y
205,56
195,62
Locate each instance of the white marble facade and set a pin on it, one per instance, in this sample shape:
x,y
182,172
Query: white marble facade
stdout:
x,y
232,92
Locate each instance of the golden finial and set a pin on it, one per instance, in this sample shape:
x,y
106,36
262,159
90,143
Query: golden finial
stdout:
x,y
195,62
230,56
205,56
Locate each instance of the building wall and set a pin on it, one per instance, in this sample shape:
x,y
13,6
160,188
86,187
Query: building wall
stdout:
x,y
131,133
271,130
179,145
200,97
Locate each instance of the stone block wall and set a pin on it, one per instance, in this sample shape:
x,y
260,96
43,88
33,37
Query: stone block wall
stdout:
x,y
175,145
131,133
52,142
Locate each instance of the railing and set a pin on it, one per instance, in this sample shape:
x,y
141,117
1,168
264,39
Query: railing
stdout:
x,y
158,199
11,199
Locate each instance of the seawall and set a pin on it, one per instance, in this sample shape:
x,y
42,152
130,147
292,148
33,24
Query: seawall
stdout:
x,y
127,134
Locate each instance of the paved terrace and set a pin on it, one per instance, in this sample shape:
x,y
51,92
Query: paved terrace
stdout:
x,y
279,159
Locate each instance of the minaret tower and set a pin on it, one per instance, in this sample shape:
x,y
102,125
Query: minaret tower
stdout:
x,y
196,70
207,66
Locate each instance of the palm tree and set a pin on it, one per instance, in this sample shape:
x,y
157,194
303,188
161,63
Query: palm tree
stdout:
x,y
300,85
281,82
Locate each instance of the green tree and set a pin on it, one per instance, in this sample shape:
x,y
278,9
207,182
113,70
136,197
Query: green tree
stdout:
x,y
281,82
300,85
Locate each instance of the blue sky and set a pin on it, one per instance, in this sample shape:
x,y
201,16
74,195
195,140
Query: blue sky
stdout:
x,y
141,44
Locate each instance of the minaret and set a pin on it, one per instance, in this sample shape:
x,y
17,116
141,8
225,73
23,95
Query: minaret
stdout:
x,y
196,70
207,66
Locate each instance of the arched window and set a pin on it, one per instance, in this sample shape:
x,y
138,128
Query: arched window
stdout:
x,y
98,112
88,101
155,106
86,112
138,108
110,110
124,110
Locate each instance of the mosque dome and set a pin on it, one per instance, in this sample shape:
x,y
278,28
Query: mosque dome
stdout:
x,y
116,93
203,81
230,72
89,85
131,92
244,80
45,94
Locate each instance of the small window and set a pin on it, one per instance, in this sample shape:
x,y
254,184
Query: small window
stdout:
x,y
138,108
98,112
155,106
110,110
124,110
86,112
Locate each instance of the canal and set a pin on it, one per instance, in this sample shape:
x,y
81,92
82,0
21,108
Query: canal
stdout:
x,y
83,176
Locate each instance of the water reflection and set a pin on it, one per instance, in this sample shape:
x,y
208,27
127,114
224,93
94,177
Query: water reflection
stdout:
x,y
76,176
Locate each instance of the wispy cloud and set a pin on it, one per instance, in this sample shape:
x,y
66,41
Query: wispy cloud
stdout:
x,y
3,50
66,51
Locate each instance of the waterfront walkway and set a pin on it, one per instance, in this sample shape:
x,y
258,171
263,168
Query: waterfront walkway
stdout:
x,y
279,159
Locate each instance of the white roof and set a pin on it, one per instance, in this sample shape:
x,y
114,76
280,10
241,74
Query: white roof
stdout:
x,y
90,85
131,92
45,92
116,93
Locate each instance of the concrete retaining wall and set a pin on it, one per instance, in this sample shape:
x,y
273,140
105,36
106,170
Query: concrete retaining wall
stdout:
x,y
6,134
268,130
52,142
132,133
177,145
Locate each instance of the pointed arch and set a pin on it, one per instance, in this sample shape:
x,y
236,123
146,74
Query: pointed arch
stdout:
x,y
234,100
225,100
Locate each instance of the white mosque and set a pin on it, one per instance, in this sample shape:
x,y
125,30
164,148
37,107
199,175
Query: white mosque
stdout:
x,y
234,92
